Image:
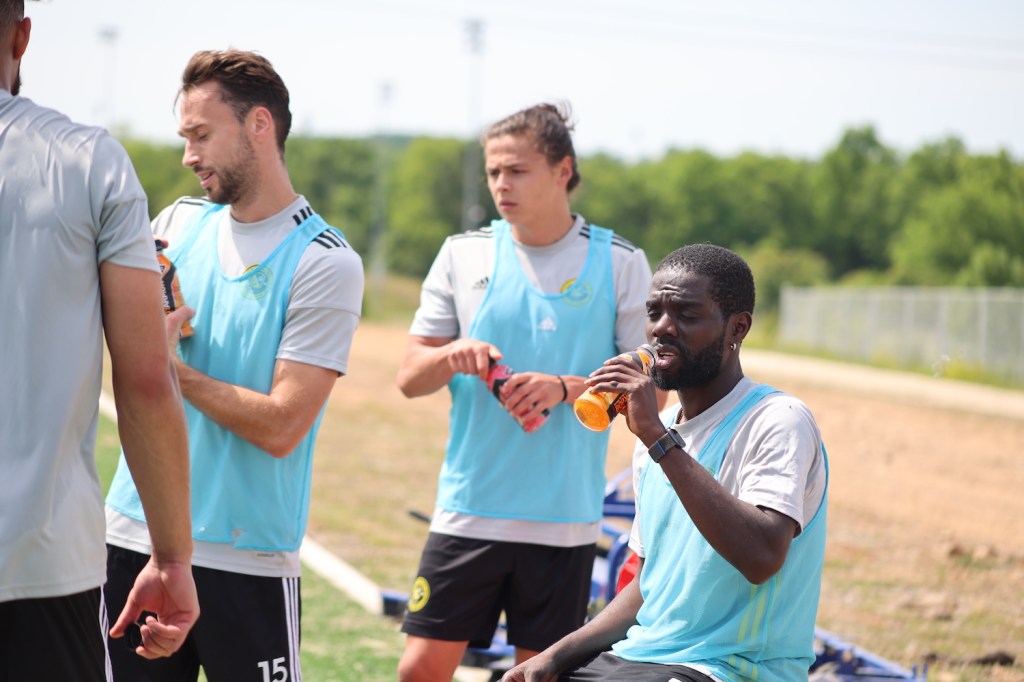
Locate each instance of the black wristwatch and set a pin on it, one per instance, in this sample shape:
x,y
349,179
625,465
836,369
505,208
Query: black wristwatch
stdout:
x,y
670,440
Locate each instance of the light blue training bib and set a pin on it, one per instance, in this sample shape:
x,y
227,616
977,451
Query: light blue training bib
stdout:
x,y
493,468
241,495
699,609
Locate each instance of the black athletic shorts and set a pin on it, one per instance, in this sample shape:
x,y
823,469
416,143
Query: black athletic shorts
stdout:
x,y
54,638
248,627
606,666
463,585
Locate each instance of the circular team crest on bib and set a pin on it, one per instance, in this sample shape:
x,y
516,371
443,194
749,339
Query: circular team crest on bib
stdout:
x,y
577,292
420,594
258,284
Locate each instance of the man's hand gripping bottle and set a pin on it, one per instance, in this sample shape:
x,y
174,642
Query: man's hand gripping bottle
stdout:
x,y
597,409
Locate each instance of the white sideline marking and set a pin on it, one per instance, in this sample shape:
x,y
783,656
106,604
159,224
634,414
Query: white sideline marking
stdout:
x,y
334,570
347,579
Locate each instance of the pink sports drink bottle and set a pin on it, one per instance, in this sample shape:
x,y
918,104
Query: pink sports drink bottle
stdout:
x,y
496,378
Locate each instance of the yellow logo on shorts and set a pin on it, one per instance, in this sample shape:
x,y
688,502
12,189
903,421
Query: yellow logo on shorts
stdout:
x,y
420,594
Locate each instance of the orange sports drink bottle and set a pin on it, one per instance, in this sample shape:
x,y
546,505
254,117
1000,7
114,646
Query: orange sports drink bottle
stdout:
x,y
172,290
597,409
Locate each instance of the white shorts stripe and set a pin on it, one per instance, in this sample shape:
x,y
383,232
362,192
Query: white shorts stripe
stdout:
x,y
104,629
292,605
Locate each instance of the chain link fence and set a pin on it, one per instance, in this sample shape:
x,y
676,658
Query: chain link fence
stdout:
x,y
910,327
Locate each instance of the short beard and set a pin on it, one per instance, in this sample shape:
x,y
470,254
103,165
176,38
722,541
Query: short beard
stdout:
x,y
17,82
238,179
693,371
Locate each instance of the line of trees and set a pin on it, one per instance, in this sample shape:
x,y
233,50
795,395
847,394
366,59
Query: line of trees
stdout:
x,y
862,214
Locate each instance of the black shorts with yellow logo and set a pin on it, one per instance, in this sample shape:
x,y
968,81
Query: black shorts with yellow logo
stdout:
x,y
463,585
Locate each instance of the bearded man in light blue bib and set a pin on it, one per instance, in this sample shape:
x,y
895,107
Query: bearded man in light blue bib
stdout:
x,y
731,490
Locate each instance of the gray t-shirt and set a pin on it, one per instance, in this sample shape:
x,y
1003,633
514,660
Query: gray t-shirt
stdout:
x,y
69,200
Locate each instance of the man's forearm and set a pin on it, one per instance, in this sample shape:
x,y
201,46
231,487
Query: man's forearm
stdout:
x,y
150,417
607,628
754,540
244,412
424,370
151,425
275,422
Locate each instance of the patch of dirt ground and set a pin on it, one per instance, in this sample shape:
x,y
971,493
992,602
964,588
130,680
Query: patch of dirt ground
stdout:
x,y
925,556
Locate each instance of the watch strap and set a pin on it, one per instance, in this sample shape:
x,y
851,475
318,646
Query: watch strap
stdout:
x,y
663,445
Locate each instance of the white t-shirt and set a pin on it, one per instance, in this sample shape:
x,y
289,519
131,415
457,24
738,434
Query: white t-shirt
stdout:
x,y
69,200
774,459
324,305
450,297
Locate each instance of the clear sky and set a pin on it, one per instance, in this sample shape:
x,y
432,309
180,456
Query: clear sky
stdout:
x,y
642,76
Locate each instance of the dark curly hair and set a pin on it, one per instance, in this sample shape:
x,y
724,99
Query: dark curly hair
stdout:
x,y
732,283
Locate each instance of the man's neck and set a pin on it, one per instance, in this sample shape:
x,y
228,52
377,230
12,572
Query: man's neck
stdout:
x,y
544,232
271,196
697,400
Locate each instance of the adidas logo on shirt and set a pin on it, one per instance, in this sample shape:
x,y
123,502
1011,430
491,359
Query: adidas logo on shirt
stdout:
x,y
547,325
482,283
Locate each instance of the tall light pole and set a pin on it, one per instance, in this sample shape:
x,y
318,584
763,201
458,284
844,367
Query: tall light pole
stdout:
x,y
108,36
378,230
472,211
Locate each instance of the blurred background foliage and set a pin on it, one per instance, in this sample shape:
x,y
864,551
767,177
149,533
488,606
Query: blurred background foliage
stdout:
x,y
863,214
